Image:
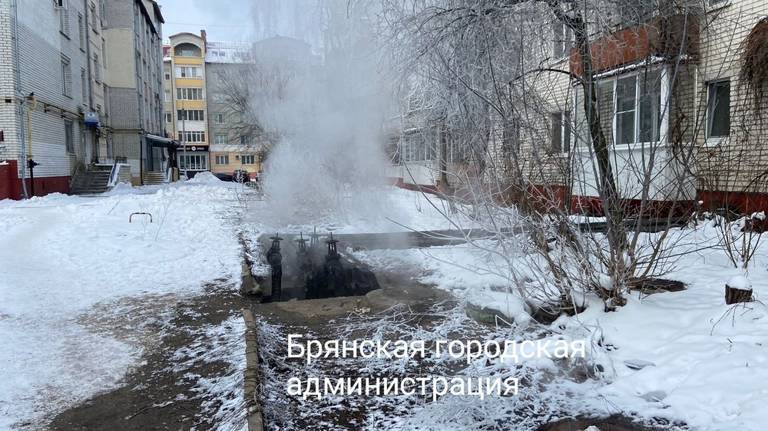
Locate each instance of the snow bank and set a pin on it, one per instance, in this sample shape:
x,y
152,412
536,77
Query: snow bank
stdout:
x,y
204,178
62,255
710,359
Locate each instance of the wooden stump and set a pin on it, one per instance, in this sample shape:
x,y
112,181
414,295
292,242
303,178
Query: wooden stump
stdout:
x,y
735,296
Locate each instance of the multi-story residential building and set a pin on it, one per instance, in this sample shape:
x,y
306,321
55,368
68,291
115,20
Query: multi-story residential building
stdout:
x,y
234,145
683,124
81,84
52,96
134,86
185,100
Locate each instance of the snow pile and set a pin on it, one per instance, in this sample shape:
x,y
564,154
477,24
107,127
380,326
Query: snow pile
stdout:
x,y
63,255
204,178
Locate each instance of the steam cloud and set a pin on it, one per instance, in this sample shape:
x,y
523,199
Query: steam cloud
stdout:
x,y
329,114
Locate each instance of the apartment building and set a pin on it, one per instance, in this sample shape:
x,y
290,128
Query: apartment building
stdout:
x,y
682,125
81,85
134,86
185,100
234,146
53,109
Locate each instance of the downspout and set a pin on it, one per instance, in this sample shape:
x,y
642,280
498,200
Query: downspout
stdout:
x,y
20,97
88,54
89,73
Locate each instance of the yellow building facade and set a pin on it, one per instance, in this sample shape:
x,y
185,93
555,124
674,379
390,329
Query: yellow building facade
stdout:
x,y
185,100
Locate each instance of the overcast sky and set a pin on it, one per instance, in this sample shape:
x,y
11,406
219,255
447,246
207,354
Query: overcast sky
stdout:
x,y
239,20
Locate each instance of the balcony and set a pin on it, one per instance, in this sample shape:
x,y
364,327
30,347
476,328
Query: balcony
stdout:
x,y
665,37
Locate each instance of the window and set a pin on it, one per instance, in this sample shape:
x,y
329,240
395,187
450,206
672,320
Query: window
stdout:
x,y
190,115
63,17
187,50
167,76
69,136
561,132
81,30
167,96
638,108
510,140
66,76
220,140
219,118
84,85
222,159
189,93
192,137
415,147
625,109
719,109
96,68
168,117
562,40
247,159
193,162
245,140
188,72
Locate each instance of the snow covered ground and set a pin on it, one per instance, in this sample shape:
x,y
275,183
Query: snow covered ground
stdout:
x,y
69,264
66,262
64,258
708,360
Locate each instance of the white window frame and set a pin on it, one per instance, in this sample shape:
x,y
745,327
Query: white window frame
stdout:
x,y
664,107
715,140
193,162
66,76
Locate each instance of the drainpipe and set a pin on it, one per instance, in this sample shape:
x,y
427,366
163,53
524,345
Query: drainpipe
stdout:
x,y
89,72
19,96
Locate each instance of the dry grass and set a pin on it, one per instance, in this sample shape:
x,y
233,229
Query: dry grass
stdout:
x,y
754,60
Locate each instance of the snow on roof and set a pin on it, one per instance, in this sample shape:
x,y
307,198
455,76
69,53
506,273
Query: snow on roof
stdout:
x,y
229,52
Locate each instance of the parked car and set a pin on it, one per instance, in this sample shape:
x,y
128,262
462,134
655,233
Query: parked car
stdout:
x,y
224,176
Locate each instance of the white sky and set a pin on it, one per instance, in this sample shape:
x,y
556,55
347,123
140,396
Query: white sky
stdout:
x,y
240,20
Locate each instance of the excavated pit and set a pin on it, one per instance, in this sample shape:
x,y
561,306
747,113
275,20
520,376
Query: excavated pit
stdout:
x,y
311,267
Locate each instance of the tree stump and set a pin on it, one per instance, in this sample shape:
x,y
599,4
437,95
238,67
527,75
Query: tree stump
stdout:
x,y
735,296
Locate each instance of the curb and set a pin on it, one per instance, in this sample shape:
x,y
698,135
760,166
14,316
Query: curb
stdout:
x,y
251,381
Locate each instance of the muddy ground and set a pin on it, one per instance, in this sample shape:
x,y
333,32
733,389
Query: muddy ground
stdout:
x,y
160,394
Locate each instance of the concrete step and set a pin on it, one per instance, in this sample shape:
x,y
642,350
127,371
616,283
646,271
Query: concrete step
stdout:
x,y
93,181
